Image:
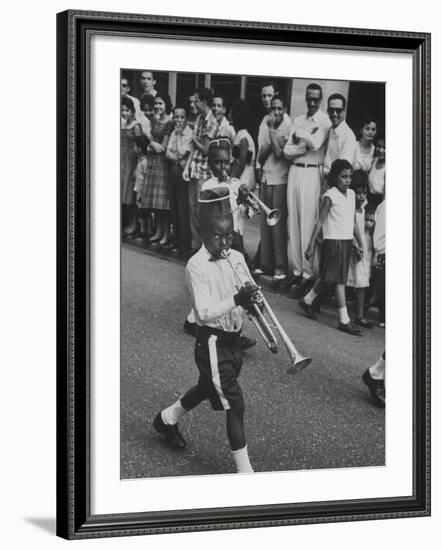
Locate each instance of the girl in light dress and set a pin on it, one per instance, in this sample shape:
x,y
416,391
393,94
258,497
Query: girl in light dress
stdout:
x,y
376,177
365,147
360,268
340,234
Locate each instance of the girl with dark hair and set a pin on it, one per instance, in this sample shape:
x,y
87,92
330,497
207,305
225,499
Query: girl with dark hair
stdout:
x,y
156,190
128,162
360,268
338,222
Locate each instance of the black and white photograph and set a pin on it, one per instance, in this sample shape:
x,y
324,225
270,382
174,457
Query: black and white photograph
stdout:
x,y
253,261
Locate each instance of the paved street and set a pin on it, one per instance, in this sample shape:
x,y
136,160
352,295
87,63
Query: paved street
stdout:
x,y
321,418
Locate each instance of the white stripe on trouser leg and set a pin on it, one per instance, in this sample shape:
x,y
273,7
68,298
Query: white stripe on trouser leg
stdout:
x,y
215,372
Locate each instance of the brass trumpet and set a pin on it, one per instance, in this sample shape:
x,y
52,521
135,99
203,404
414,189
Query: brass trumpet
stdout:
x,y
250,199
298,362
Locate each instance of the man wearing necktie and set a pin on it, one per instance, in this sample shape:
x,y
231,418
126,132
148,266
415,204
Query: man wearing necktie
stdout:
x,y
306,150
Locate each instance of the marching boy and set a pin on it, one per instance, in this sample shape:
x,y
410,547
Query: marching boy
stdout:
x,y
219,307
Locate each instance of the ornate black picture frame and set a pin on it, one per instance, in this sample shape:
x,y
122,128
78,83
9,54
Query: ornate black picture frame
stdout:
x,y
74,517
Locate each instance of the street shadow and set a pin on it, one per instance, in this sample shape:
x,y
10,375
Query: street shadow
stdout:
x,y
46,524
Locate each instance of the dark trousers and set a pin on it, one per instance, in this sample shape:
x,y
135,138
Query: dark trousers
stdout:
x,y
179,209
274,239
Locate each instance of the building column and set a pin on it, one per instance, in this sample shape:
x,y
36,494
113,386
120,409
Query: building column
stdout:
x,y
172,87
242,93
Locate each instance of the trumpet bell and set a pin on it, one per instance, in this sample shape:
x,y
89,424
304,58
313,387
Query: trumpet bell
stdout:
x,y
273,217
299,364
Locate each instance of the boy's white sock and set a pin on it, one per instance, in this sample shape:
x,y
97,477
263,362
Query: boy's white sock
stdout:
x,y
242,462
172,414
377,371
343,315
309,297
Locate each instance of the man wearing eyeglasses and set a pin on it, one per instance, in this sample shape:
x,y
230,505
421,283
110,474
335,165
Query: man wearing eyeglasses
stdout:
x,y
125,89
306,149
341,140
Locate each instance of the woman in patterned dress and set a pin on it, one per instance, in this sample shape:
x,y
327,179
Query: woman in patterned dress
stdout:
x,y
156,190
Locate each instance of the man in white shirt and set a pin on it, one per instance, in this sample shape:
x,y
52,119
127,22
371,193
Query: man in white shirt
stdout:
x,y
306,150
219,111
125,89
341,139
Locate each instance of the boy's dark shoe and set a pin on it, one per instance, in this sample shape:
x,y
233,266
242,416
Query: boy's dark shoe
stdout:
x,y
308,309
190,328
350,328
246,343
172,434
376,388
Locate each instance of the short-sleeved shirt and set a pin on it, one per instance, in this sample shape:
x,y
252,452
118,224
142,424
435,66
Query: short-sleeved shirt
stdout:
x,y
275,170
186,140
226,130
340,221
206,126
262,132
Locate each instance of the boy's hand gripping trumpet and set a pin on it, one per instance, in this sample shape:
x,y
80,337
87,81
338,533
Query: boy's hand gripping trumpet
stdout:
x,y
257,313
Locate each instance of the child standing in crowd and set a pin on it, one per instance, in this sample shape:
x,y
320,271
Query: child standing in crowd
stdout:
x,y
379,260
178,150
365,147
275,169
219,305
243,151
338,222
156,190
128,162
360,268
376,177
